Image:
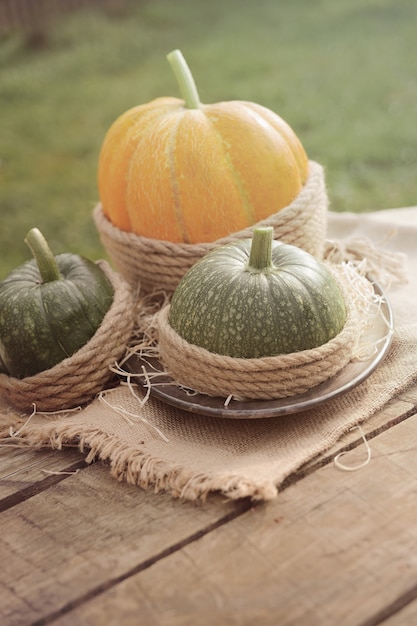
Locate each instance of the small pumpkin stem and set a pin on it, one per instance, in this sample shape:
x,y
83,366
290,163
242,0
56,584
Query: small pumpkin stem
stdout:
x,y
260,258
185,79
46,262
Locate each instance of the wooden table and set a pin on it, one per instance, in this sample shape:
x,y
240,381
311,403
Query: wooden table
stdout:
x,y
335,547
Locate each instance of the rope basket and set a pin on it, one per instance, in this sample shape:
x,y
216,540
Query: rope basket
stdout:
x,y
78,378
156,265
267,378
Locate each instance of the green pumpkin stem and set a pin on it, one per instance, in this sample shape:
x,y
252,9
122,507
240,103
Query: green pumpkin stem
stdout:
x,y
185,79
260,258
46,262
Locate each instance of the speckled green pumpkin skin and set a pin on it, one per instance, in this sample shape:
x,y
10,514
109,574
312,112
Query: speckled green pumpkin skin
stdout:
x,y
43,323
227,308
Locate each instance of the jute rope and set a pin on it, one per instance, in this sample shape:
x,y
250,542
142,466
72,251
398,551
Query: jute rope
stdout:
x,y
77,379
271,377
159,265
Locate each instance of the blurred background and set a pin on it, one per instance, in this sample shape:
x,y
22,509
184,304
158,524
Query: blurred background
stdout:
x,y
342,74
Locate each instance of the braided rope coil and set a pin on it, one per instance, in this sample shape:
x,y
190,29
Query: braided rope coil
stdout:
x,y
268,378
77,379
159,265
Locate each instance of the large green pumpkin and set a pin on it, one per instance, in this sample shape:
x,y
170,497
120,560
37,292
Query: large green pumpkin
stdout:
x,y
49,308
256,298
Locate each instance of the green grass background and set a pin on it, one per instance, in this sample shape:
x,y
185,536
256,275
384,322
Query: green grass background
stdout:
x,y
342,74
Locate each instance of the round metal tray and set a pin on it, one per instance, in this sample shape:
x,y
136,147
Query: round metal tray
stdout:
x,y
380,336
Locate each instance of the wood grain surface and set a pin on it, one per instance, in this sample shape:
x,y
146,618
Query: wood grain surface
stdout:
x,y
335,547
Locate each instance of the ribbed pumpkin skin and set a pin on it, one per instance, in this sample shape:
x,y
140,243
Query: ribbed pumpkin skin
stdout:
x,y
43,323
195,175
222,306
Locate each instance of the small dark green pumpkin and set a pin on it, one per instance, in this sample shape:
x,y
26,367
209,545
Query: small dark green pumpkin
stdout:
x,y
49,308
258,297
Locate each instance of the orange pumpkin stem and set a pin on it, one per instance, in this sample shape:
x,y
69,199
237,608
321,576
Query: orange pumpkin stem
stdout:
x,y
185,79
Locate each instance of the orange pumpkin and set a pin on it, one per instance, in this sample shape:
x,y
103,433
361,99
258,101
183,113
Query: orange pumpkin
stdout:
x,y
181,171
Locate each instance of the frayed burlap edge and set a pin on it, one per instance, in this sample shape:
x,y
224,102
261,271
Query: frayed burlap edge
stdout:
x,y
270,377
155,264
138,467
77,379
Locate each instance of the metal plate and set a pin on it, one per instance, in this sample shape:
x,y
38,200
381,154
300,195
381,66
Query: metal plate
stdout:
x,y
380,335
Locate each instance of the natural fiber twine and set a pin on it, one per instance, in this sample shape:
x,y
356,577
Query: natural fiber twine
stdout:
x,y
159,265
271,377
77,379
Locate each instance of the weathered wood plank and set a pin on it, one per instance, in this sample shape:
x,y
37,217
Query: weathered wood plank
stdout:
x,y
393,413
335,548
21,468
84,533
105,533
406,616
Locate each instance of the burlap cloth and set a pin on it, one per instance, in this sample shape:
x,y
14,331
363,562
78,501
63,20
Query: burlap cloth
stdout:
x,y
161,448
